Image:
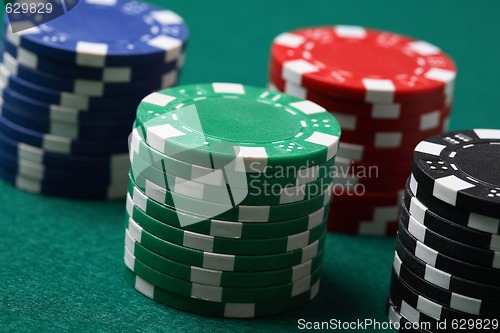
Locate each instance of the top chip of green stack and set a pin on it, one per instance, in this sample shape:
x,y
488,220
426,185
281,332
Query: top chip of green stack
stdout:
x,y
212,125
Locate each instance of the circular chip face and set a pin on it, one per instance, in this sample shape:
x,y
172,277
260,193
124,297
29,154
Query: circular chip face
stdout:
x,y
358,63
461,169
117,33
212,125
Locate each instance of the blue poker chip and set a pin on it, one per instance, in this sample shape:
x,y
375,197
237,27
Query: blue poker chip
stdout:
x,y
52,96
25,151
90,191
68,115
88,87
80,132
105,74
62,145
51,175
100,33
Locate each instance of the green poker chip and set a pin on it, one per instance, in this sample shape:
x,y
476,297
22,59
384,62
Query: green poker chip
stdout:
x,y
219,261
161,200
216,124
142,155
222,245
219,294
220,309
248,194
220,228
221,278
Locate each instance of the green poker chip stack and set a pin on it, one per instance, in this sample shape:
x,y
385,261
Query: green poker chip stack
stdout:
x,y
228,199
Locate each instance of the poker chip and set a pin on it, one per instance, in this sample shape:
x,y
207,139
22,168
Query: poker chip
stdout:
x,y
470,254
402,324
444,280
144,176
68,97
387,91
160,199
448,228
51,112
463,217
401,292
169,114
220,261
219,278
85,87
58,128
453,300
220,309
228,198
219,294
223,245
442,164
223,228
153,35
412,69
447,259
121,74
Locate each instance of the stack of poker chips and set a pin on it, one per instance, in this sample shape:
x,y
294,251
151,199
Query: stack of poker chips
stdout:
x,y
447,259
387,91
70,89
228,199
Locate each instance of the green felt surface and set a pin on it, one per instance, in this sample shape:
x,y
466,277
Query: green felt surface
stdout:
x,y
61,260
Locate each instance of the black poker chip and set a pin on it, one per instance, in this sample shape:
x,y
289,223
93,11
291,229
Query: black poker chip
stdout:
x,y
446,246
448,228
462,169
446,280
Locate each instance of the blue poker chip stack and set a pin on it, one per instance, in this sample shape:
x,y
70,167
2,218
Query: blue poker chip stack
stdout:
x,y
70,89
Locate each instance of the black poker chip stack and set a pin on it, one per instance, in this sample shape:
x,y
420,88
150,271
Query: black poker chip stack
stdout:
x,y
446,270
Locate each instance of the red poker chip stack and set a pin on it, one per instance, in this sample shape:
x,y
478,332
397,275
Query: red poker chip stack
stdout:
x,y
388,92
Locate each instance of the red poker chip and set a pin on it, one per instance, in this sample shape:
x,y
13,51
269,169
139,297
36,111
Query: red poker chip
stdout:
x,y
353,225
345,167
358,152
380,183
387,139
371,111
437,119
363,64
368,199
